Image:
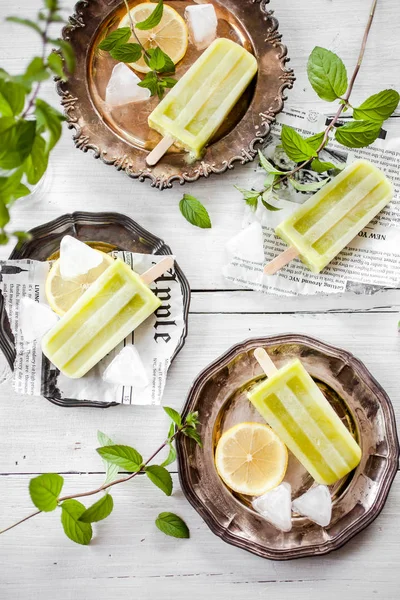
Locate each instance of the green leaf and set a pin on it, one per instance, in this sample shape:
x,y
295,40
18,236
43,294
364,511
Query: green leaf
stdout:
x,y
192,419
153,19
26,23
76,530
320,166
111,470
194,212
358,134
98,511
378,107
4,214
67,51
327,74
171,430
22,236
169,82
50,120
36,163
35,71
250,196
12,98
52,4
150,82
267,166
316,140
160,477
55,63
192,433
171,456
172,525
269,206
45,490
157,60
16,144
116,38
125,457
308,187
127,53
297,148
174,415
20,191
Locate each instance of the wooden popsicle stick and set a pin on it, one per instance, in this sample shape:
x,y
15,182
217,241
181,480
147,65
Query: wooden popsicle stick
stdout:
x,y
157,270
280,261
265,362
158,152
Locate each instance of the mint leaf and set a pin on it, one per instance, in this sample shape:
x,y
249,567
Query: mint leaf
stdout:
x,y
150,81
192,419
378,107
116,38
12,98
4,217
297,148
171,456
67,51
327,74
308,187
49,119
111,470
358,134
35,71
250,196
76,530
174,415
160,477
264,200
320,166
315,140
192,433
194,212
98,511
125,457
55,63
152,20
169,82
45,490
16,143
26,23
36,163
156,60
267,166
172,525
127,53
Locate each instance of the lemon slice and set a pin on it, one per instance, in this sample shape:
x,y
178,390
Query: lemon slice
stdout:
x,y
171,34
251,459
61,294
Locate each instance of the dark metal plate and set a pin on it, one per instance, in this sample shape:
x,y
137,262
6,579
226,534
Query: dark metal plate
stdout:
x,y
219,394
121,136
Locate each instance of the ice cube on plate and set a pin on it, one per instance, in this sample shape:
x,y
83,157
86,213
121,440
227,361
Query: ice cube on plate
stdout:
x,y
35,319
123,88
316,504
202,21
276,506
127,369
77,258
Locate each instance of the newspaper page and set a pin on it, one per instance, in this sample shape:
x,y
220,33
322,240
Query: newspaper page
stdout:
x,y
371,261
156,339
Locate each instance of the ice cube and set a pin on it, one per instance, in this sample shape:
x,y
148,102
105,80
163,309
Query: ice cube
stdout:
x,y
202,22
127,369
35,319
275,506
123,88
77,258
316,504
248,244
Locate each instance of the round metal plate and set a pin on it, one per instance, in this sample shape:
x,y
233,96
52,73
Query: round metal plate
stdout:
x,y
219,394
121,137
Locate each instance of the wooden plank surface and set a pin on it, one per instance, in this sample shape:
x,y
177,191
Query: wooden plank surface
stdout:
x,y
129,557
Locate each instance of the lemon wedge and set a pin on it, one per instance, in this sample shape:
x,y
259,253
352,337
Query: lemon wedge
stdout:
x,y
170,35
61,293
251,459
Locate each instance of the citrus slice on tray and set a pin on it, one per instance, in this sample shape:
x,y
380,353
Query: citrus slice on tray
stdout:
x,y
62,293
170,35
251,459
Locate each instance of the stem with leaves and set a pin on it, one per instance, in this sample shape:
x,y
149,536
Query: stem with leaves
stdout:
x,y
76,519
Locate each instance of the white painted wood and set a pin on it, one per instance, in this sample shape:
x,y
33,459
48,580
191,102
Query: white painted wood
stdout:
x,y
129,557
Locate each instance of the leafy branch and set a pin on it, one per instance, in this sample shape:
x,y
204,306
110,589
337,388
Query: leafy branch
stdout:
x,y
118,45
29,127
328,77
77,520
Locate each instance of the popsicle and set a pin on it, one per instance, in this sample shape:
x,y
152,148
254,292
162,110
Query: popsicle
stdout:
x,y
321,227
294,406
196,106
114,305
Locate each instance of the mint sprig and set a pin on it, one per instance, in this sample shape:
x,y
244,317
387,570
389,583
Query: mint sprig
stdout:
x,y
76,519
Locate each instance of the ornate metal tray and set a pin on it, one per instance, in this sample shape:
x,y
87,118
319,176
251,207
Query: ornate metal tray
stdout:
x,y
122,138
219,394
106,232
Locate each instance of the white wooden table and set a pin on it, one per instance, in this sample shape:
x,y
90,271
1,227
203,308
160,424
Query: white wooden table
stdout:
x,y
129,557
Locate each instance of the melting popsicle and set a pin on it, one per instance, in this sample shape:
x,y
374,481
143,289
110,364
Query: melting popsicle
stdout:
x,y
114,305
196,106
321,227
296,409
